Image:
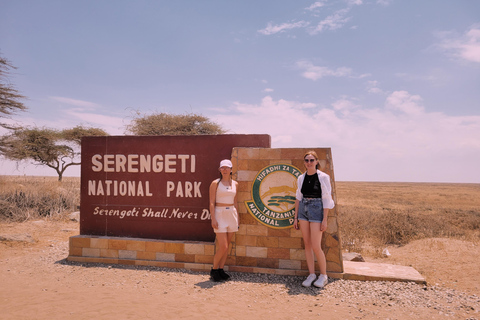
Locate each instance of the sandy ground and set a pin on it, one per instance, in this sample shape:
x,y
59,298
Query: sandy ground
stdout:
x,y
38,283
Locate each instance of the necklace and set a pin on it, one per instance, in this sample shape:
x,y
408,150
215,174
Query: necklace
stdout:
x,y
311,178
227,186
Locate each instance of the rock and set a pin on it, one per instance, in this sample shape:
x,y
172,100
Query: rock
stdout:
x,y
353,256
74,216
17,237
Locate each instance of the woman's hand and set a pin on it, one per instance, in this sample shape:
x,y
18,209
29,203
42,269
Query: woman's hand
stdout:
x,y
295,224
323,226
214,223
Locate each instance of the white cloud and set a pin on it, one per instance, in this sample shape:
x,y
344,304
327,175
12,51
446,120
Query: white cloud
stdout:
x,y
384,2
316,5
363,75
344,106
332,22
313,72
399,141
65,118
87,114
268,90
69,118
465,47
435,77
74,102
372,87
405,102
111,124
354,2
273,29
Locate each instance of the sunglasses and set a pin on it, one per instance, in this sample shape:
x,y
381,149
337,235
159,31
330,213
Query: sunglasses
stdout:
x,y
309,160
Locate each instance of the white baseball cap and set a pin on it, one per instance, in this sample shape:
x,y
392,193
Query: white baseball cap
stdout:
x,y
226,163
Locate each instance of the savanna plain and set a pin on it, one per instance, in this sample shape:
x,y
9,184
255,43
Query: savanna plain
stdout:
x,y
435,228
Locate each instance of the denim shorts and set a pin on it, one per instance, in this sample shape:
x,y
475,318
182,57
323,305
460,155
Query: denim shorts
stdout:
x,y
311,210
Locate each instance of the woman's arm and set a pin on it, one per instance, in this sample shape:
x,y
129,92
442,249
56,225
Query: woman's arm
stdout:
x,y
299,194
212,196
299,197
326,190
235,199
295,222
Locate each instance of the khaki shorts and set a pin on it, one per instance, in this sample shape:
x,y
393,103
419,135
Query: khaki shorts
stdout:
x,y
227,218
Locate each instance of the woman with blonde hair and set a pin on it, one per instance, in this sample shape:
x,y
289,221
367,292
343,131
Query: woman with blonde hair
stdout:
x,y
223,209
313,200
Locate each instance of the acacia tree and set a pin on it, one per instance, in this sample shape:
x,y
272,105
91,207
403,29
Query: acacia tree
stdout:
x,y
56,149
161,124
10,98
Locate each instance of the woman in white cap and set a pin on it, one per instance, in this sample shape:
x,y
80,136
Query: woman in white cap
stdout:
x,y
223,209
314,199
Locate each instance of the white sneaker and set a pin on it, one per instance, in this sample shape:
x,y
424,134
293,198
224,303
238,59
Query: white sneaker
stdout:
x,y
308,282
321,281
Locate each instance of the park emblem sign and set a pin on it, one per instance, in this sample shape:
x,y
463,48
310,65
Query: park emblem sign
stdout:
x,y
273,195
153,187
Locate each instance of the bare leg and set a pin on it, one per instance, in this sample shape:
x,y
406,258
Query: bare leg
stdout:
x,y
221,263
316,237
222,249
307,239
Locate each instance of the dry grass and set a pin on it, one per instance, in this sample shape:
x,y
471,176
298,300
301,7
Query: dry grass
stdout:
x,y
371,214
375,214
23,198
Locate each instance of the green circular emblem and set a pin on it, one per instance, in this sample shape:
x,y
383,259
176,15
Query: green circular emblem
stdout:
x,y
273,195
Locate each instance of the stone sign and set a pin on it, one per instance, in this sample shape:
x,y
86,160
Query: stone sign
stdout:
x,y
153,187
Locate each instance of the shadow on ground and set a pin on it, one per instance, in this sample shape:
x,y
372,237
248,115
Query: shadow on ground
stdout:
x,y
293,284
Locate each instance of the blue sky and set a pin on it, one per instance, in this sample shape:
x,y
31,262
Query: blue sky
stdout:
x,y
391,86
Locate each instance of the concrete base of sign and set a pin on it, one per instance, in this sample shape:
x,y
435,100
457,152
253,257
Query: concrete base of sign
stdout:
x,y
380,272
198,256
141,252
